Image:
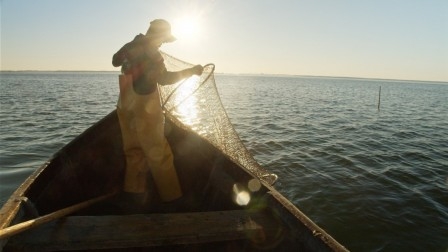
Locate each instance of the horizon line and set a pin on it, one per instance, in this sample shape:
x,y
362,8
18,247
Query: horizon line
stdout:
x,y
251,74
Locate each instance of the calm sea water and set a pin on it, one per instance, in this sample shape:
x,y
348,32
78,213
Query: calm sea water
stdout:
x,y
375,180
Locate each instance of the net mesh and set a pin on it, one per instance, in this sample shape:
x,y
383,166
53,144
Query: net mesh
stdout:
x,y
195,104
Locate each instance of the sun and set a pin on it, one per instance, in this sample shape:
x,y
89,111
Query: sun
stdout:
x,y
187,28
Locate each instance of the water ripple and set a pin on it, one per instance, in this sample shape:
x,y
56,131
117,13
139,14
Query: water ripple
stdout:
x,y
375,180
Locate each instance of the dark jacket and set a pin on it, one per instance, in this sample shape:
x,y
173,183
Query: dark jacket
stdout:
x,y
146,65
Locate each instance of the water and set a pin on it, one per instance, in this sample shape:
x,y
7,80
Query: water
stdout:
x,y
375,180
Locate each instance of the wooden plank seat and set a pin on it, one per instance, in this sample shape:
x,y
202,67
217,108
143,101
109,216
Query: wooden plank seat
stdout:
x,y
126,231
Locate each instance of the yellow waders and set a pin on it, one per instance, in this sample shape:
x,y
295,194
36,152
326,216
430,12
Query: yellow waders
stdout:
x,y
144,143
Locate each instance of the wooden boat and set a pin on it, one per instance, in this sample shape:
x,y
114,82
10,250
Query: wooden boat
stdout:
x,y
73,201
209,218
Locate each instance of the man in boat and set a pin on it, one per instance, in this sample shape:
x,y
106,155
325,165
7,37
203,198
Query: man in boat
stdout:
x,y
140,112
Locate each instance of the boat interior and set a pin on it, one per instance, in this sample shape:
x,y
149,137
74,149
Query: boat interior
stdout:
x,y
224,207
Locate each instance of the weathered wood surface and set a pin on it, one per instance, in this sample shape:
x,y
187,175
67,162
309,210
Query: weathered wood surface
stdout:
x,y
101,232
22,227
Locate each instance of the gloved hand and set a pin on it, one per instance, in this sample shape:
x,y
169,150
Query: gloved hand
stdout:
x,y
197,70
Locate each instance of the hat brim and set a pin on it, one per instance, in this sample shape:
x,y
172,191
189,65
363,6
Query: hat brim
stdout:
x,y
170,39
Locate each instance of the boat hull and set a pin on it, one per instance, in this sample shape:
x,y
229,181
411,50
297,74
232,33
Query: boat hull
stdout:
x,y
241,212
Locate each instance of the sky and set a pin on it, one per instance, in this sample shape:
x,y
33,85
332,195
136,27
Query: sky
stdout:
x,y
386,39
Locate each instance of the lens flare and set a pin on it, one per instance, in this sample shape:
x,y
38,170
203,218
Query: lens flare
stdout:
x,y
254,185
241,196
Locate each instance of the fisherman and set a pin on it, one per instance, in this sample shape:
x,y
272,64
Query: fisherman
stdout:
x,y
140,113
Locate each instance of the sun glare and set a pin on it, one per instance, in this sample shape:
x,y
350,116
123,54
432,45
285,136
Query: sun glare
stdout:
x,y
186,27
186,103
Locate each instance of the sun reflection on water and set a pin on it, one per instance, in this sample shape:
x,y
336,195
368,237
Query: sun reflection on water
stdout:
x,y
186,103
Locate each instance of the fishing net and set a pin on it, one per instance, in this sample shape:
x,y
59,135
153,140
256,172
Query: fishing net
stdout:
x,y
195,104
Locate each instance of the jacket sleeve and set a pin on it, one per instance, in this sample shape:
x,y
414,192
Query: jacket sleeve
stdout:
x,y
123,54
168,78
120,56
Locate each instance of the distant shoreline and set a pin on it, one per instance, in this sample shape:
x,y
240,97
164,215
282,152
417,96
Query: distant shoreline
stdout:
x,y
235,74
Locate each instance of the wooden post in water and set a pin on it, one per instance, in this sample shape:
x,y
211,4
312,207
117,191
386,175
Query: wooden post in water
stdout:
x,y
379,99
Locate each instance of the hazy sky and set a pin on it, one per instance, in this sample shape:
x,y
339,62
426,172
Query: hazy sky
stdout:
x,y
395,39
